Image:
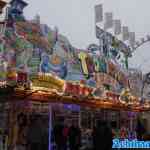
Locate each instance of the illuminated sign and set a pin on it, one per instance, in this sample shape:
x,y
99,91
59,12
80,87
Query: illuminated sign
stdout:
x,y
130,144
47,81
78,90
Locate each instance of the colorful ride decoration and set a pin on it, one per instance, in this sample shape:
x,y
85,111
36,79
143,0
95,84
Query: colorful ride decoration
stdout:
x,y
72,64
123,133
127,97
47,81
16,9
112,96
40,49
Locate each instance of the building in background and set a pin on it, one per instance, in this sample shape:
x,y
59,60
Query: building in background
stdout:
x,y
2,5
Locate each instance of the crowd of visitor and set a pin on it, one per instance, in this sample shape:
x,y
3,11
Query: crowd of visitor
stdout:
x,y
33,134
71,137
29,134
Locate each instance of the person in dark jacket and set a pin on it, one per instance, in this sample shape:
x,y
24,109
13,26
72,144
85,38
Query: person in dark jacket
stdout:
x,y
34,134
74,136
65,135
58,135
102,136
140,129
45,135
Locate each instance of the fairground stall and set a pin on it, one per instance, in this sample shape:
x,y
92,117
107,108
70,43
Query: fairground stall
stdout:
x,y
41,73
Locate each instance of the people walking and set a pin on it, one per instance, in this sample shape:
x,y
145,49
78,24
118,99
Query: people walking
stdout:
x,y
19,132
140,129
74,137
45,134
58,135
65,135
102,136
34,134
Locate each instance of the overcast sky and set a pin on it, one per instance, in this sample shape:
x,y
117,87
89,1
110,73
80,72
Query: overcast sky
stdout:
x,y
75,19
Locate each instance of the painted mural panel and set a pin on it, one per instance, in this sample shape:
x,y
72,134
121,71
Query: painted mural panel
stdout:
x,y
29,47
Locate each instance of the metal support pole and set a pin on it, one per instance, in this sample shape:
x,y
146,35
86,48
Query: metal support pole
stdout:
x,y
131,123
142,91
79,119
101,45
50,126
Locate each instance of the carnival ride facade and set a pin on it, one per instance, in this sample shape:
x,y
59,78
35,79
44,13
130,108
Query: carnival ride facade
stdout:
x,y
39,64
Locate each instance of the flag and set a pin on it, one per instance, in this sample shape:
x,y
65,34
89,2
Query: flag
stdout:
x,y
142,40
126,62
98,13
56,34
108,20
99,32
148,37
2,25
132,39
125,33
6,13
137,43
117,27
